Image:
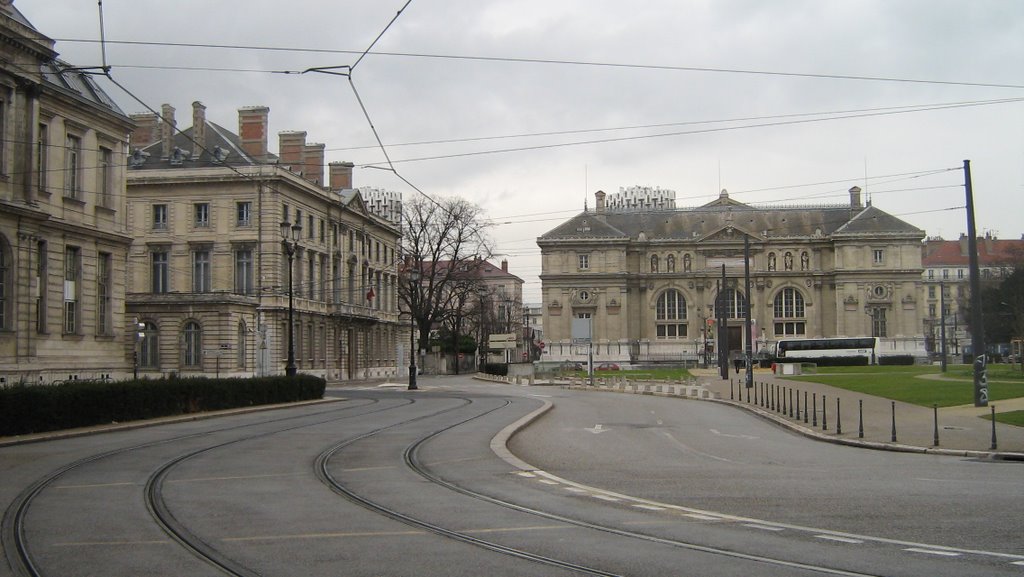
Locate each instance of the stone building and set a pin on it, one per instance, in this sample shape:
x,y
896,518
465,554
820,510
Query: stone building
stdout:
x,y
946,290
63,224
209,274
648,280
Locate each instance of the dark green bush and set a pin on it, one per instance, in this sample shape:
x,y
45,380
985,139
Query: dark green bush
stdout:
x,y
37,408
828,361
896,360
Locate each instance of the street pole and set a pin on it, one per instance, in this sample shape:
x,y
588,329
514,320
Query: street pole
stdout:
x,y
942,326
414,278
723,332
977,329
747,326
290,245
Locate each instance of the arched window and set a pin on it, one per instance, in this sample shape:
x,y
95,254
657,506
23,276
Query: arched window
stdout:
x,y
734,302
670,315
654,263
789,313
670,263
6,283
149,349
193,341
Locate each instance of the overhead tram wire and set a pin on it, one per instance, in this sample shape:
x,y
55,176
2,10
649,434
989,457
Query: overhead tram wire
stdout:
x,y
685,133
514,60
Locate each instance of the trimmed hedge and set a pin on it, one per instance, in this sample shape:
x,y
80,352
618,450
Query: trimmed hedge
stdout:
x,y
829,361
896,360
500,369
37,408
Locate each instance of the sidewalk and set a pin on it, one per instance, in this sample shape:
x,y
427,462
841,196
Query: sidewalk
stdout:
x,y
961,430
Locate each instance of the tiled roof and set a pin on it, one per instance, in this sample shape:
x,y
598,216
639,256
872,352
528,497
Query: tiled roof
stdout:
x,y
954,252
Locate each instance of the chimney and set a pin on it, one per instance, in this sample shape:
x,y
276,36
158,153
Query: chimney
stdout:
x,y
341,175
313,154
599,202
855,197
146,129
252,129
291,145
167,130
504,265
198,128
963,244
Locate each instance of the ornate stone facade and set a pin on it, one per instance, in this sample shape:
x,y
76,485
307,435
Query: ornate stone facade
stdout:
x,y
649,280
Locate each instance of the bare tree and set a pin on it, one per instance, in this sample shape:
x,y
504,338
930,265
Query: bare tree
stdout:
x,y
444,244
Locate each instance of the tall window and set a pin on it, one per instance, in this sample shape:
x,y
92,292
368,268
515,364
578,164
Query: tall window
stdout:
x,y
106,178
202,214
243,213
878,325
734,303
789,313
42,258
201,278
160,279
242,348
584,261
243,271
878,256
72,275
5,283
42,151
193,340
72,159
159,216
104,277
149,350
670,315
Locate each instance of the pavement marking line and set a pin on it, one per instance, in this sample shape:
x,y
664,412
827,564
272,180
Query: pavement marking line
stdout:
x,y
516,529
111,543
689,449
331,535
360,469
577,490
1021,563
648,507
98,485
763,527
234,478
527,474
605,497
839,539
548,481
700,517
933,552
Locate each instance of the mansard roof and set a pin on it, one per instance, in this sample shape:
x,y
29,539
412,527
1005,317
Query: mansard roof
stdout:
x,y
724,214
219,140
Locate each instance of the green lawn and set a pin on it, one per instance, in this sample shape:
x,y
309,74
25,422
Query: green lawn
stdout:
x,y
1011,418
903,384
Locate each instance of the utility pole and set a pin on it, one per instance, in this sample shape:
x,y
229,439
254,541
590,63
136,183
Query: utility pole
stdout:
x,y
977,330
746,303
723,331
942,326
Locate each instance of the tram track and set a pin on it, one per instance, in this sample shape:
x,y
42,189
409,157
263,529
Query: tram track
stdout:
x,y
13,532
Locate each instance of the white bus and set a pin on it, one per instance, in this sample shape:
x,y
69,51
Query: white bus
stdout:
x,y
852,349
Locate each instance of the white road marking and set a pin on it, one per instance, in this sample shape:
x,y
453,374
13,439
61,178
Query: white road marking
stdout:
x,y
527,474
839,539
700,517
548,482
721,434
763,527
933,552
604,497
597,429
648,507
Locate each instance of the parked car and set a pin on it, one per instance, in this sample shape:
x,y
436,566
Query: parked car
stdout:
x,y
607,367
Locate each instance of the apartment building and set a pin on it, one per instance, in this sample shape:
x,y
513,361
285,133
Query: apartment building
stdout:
x,y
219,223
63,223
647,281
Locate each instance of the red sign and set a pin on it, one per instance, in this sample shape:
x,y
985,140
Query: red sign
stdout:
x,y
711,322
541,345
524,356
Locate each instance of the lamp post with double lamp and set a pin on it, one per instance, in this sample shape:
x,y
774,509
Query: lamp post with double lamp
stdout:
x,y
290,235
414,279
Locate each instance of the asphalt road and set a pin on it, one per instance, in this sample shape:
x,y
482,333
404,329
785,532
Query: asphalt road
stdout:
x,y
393,482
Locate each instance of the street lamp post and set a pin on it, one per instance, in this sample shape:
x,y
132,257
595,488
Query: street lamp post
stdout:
x,y
414,279
482,292
290,235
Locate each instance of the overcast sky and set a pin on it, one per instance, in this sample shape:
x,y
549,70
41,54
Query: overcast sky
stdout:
x,y
678,94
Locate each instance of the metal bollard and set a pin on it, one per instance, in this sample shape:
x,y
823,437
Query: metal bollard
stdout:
x,y
994,444
860,412
824,414
935,411
894,421
805,407
814,416
791,403
748,394
784,401
839,419
798,405
730,389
